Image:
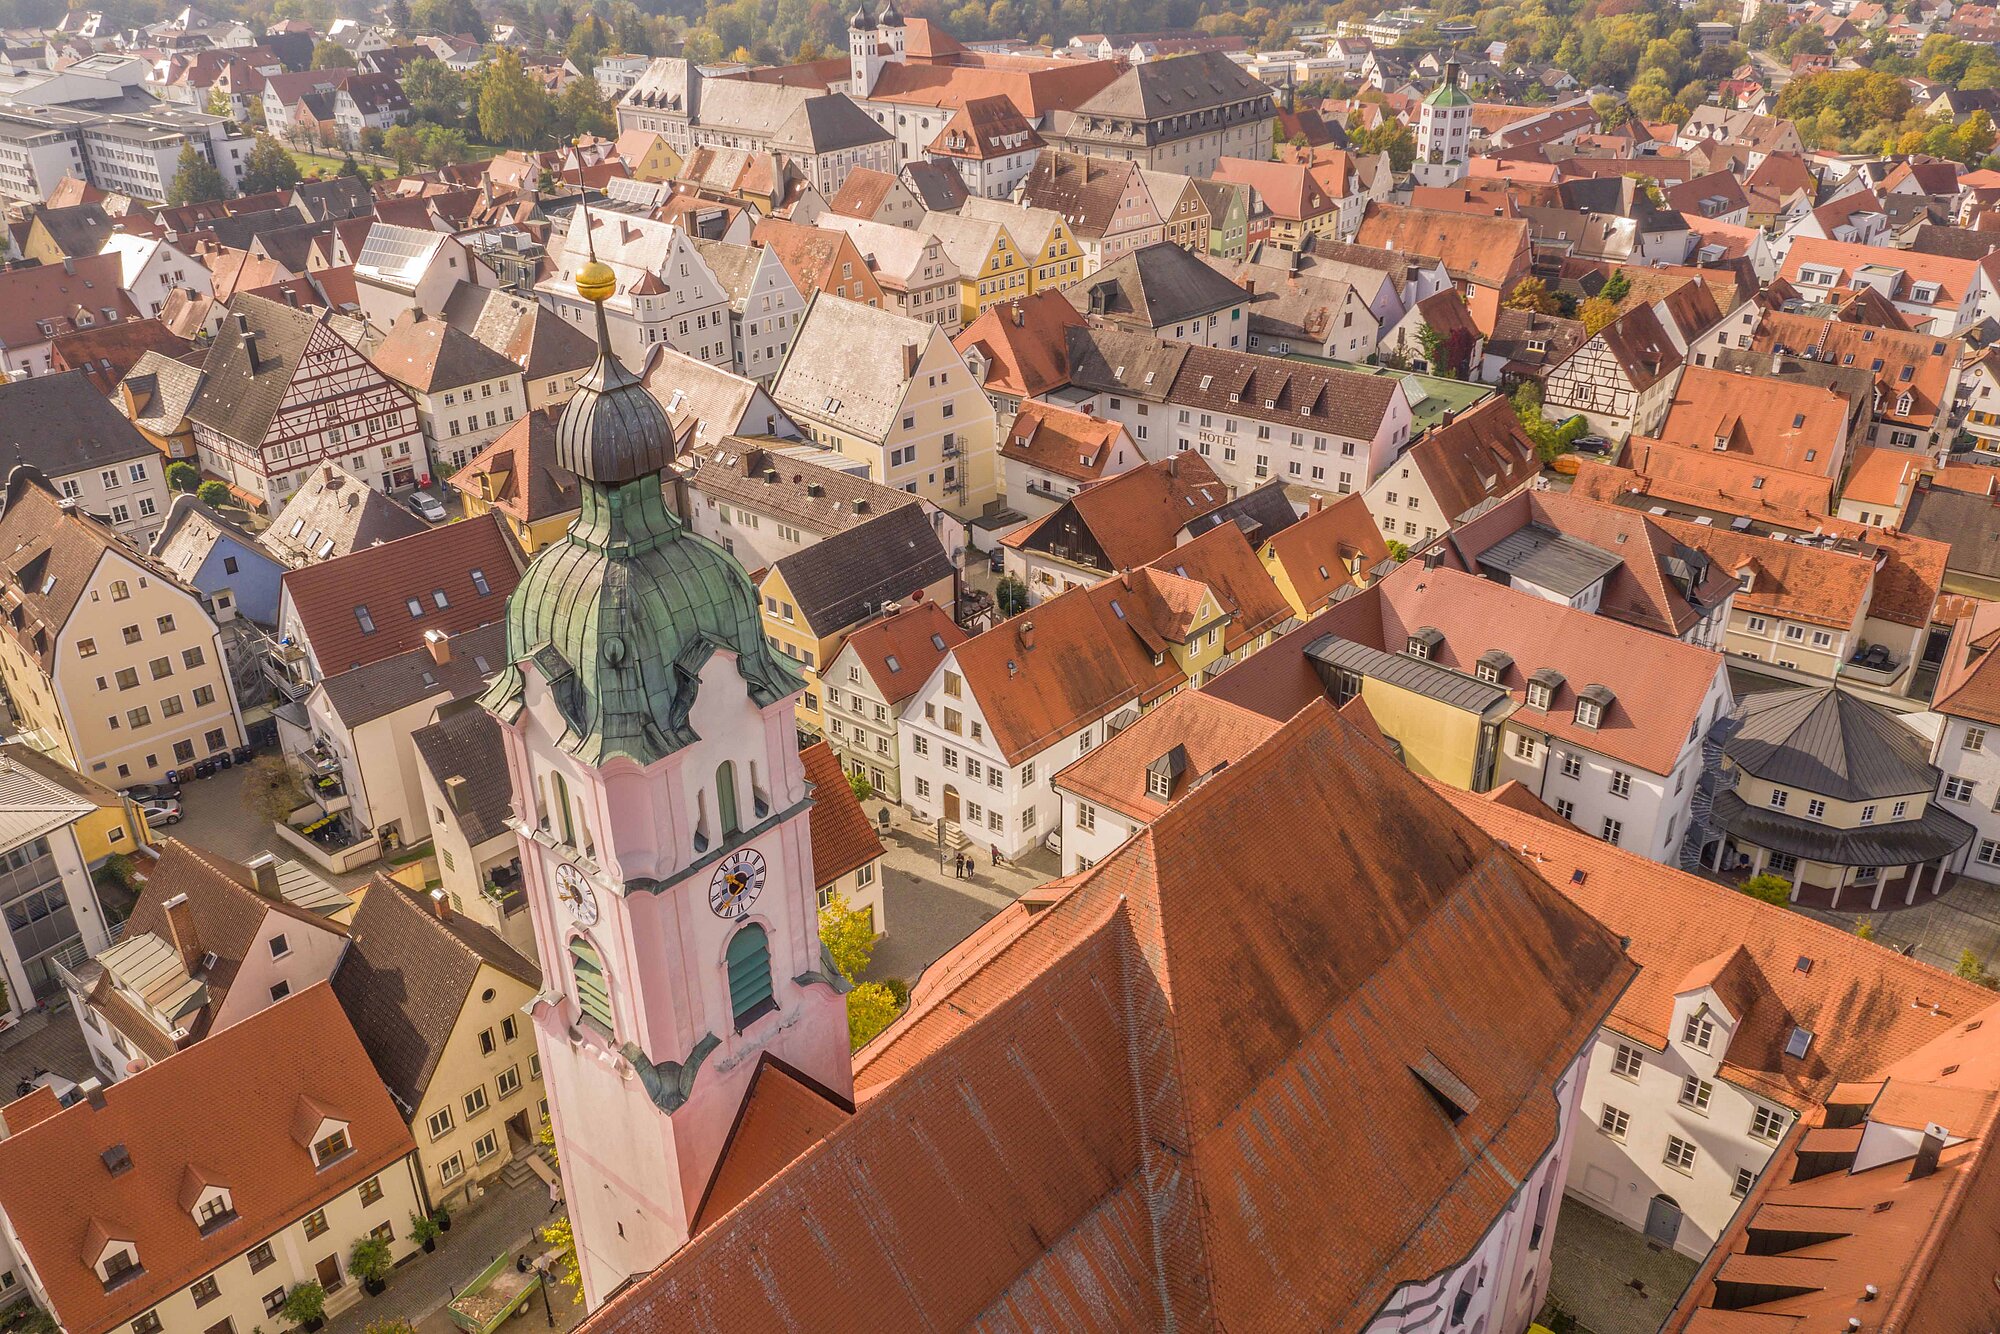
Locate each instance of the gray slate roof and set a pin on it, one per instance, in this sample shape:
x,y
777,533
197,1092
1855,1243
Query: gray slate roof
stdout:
x,y
378,689
405,978
1552,560
1262,513
1158,286
465,743
1174,87
332,514
234,399
1430,679
165,388
846,578
1969,523
62,425
1899,843
1829,743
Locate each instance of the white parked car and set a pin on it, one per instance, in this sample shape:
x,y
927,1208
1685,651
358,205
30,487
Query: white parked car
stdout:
x,y
426,507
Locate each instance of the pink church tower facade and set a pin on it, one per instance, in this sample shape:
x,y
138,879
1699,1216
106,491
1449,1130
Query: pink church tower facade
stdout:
x,y
663,815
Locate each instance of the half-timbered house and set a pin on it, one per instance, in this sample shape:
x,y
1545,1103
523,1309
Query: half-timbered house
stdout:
x,y
286,392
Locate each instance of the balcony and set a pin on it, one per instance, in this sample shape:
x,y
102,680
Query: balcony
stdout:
x,y
1874,665
281,675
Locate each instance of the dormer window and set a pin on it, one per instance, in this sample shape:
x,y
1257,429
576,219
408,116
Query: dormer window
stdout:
x,y
1588,713
1698,1032
330,1147
118,1265
1157,784
1538,696
1425,642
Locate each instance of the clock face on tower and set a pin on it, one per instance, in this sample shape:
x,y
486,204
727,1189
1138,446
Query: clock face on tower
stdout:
x,y
738,880
574,893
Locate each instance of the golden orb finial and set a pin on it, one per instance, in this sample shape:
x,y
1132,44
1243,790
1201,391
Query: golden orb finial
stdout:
x,y
595,281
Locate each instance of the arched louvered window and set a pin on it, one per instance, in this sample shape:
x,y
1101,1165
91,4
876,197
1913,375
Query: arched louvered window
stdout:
x,y
565,821
750,995
593,984
725,798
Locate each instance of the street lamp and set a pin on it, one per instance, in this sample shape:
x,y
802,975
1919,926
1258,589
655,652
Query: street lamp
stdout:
x,y
544,1268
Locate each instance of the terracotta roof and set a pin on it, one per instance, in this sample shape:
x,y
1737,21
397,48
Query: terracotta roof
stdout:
x,y
30,1109
519,474
1024,343
861,195
1858,999
899,651
1955,278
1710,481
1475,457
328,595
60,296
1209,732
1023,1073
425,354
1797,427
813,256
1790,579
983,128
1223,561
1083,188
1860,1206
227,908
843,837
1659,583
1288,189
1642,343
814,497
107,352
1317,552
1658,686
783,1114
1484,250
1302,396
1060,441
1133,517
407,976
295,1055
1901,362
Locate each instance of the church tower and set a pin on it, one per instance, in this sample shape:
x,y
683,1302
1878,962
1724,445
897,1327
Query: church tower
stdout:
x,y
662,812
1444,132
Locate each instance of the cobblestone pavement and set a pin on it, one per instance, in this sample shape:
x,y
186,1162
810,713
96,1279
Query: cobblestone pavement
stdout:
x,y
1965,917
505,1220
1611,1278
926,910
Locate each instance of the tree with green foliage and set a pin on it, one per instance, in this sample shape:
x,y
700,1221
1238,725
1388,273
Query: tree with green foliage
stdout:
x,y
871,1007
435,91
1011,595
196,181
862,788
1616,288
1864,929
369,1259
1551,441
183,476
304,1304
582,109
398,15
1398,551
1972,970
1393,137
440,147
269,167
448,17
404,143
331,55
513,109
1768,888
848,933
587,41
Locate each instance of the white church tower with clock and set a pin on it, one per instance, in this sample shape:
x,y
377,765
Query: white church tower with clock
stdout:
x,y
662,811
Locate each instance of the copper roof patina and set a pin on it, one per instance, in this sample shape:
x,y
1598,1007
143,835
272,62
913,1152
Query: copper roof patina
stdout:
x,y
621,615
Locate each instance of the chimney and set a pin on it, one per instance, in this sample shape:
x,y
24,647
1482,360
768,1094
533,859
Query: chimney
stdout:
x,y
455,792
910,354
439,643
1173,465
1927,1152
69,265
1020,316
1316,504
1027,634
815,489
180,925
1249,287
441,905
93,1093
250,351
264,875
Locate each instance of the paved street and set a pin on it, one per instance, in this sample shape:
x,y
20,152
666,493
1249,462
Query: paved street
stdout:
x,y
1610,1278
1965,917
506,1220
926,910
213,817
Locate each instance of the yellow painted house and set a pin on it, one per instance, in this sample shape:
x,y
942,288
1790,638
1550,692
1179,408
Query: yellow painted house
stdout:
x,y
1047,244
517,478
991,265
815,598
648,156
437,1000
113,824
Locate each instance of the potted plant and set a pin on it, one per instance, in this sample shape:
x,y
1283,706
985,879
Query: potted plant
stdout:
x,y
305,1306
443,1216
369,1261
424,1231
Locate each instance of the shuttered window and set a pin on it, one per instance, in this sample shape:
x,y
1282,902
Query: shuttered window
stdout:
x,y
750,976
593,988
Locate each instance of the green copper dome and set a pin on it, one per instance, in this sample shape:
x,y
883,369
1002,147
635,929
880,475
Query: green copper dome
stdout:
x,y
623,612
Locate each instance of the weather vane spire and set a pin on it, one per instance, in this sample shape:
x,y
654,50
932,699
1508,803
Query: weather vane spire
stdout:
x,y
595,281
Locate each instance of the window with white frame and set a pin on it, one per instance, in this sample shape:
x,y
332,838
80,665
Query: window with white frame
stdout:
x,y
1627,1061
1614,1121
1745,1179
1621,783
1572,766
1698,1032
1680,1154
1767,1124
1958,789
1695,1092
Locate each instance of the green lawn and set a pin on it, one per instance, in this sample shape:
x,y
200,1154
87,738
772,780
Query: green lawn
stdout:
x,y
314,162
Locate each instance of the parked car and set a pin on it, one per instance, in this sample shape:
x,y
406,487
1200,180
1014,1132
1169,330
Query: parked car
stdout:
x,y
145,792
164,812
997,561
425,506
